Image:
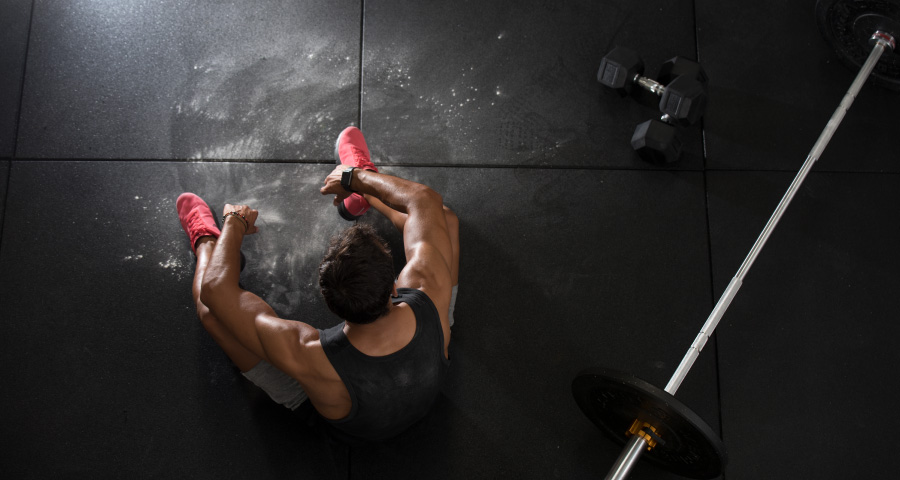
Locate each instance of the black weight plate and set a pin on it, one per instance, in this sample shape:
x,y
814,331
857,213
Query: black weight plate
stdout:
x,y
614,400
847,26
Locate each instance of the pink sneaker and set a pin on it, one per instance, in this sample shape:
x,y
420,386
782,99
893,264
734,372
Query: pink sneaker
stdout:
x,y
197,219
351,150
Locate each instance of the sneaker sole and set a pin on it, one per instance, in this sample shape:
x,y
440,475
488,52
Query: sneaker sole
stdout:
x,y
342,211
337,142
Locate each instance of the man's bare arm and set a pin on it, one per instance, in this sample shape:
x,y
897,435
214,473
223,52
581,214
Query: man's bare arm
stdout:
x,y
250,319
425,236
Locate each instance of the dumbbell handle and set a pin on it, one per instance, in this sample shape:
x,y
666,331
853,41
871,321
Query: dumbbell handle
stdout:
x,y
636,445
649,84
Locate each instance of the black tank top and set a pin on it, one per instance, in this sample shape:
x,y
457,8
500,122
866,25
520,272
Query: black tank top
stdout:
x,y
391,392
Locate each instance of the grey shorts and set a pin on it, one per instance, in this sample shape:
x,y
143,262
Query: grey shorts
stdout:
x,y
280,387
452,303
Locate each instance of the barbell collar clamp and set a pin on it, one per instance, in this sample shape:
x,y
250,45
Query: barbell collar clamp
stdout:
x,y
884,38
647,432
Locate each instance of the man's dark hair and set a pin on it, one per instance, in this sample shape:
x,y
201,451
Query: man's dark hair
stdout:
x,y
357,275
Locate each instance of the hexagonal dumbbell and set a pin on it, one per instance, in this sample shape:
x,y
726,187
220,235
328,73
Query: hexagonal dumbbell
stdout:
x,y
657,141
620,69
674,74
680,66
683,99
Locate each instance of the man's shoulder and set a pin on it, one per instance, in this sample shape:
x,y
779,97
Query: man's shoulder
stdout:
x,y
300,348
429,273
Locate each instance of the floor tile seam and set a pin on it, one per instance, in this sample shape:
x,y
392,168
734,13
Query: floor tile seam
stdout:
x,y
473,166
827,172
185,161
713,301
696,30
3,215
712,287
330,162
536,167
362,39
6,196
22,82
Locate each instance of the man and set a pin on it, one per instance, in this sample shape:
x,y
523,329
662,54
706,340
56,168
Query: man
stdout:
x,y
380,370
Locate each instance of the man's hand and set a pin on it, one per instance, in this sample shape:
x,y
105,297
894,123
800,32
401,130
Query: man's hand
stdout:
x,y
333,185
249,216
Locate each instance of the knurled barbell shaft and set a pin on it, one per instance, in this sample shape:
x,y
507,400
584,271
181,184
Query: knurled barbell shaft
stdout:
x,y
881,44
636,445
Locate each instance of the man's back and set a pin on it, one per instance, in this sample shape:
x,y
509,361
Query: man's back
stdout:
x,y
390,392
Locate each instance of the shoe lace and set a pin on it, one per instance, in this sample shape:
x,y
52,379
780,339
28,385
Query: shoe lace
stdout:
x,y
359,155
195,220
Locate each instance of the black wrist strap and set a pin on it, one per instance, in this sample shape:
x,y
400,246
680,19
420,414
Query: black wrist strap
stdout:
x,y
347,178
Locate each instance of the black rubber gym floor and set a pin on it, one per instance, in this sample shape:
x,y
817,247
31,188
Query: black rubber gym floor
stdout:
x,y
575,253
